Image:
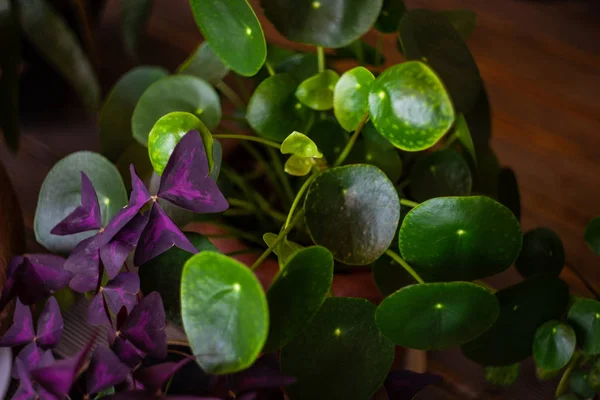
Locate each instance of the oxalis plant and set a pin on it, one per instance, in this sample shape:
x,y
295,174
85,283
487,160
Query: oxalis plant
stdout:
x,y
388,169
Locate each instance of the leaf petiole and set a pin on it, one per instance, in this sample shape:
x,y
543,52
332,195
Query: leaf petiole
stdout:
x,y
351,142
278,240
408,203
303,189
404,264
247,137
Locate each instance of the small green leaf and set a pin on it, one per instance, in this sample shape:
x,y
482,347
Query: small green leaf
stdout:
x,y
329,137
438,174
508,191
584,316
331,23
350,97
300,145
298,166
553,345
523,308
353,211
594,376
224,312
61,194
409,106
297,293
390,16
116,113
273,110
592,235
284,250
502,376
53,38
542,253
389,276
167,132
203,63
105,392
464,21
460,238
316,92
134,15
441,315
10,59
234,33
162,274
339,355
578,382
461,130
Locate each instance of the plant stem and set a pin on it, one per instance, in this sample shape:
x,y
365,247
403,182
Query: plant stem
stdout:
x,y
246,189
168,385
283,178
378,48
451,139
278,240
240,252
351,142
233,232
231,95
582,279
321,58
241,203
404,264
249,138
266,168
303,189
269,68
408,203
563,385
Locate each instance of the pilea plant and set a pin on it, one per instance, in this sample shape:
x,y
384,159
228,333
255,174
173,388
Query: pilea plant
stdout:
x,y
414,193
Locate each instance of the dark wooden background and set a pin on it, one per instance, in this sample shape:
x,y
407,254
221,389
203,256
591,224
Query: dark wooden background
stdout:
x,y
540,61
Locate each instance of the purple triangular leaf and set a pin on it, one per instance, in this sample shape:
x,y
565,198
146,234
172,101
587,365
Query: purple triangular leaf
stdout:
x,y
145,326
10,286
84,263
25,390
97,312
21,331
127,353
105,370
115,253
84,218
50,325
122,317
159,236
40,275
156,376
401,385
121,291
30,357
185,181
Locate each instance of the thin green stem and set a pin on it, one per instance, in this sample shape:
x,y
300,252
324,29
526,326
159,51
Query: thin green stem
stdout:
x,y
231,95
168,385
241,86
278,240
582,279
321,58
269,68
266,207
241,252
451,139
404,264
234,232
298,198
283,178
404,184
408,203
249,138
246,189
351,142
563,385
266,168
241,203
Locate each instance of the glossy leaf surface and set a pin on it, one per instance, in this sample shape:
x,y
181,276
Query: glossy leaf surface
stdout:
x,y
584,316
350,97
316,92
542,253
553,345
204,64
300,145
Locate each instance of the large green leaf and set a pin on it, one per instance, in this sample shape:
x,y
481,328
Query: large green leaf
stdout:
x,y
460,238
542,253
61,194
134,15
175,93
433,316
301,66
162,274
53,38
339,355
353,211
553,345
390,16
441,173
224,312
234,33
316,92
429,35
329,137
273,110
410,107
578,382
592,235
584,316
350,97
115,117
297,293
10,58
204,64
523,308
327,23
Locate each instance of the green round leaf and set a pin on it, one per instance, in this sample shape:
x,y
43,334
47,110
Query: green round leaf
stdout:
x,y
508,191
273,110
553,345
434,316
389,276
350,97
438,174
353,211
167,132
330,23
592,235
409,106
300,145
594,376
175,93
578,382
542,253
61,194
339,355
584,316
234,33
204,64
460,238
523,308
463,21
301,66
329,137
316,92
505,375
297,293
390,16
463,134
162,274
284,250
224,312
429,35
115,117
298,166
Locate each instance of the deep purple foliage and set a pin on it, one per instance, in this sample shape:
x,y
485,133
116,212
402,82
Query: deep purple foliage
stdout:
x,y
119,292
84,218
105,371
49,327
145,326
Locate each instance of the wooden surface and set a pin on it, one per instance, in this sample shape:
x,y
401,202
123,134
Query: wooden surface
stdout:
x,y
540,61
